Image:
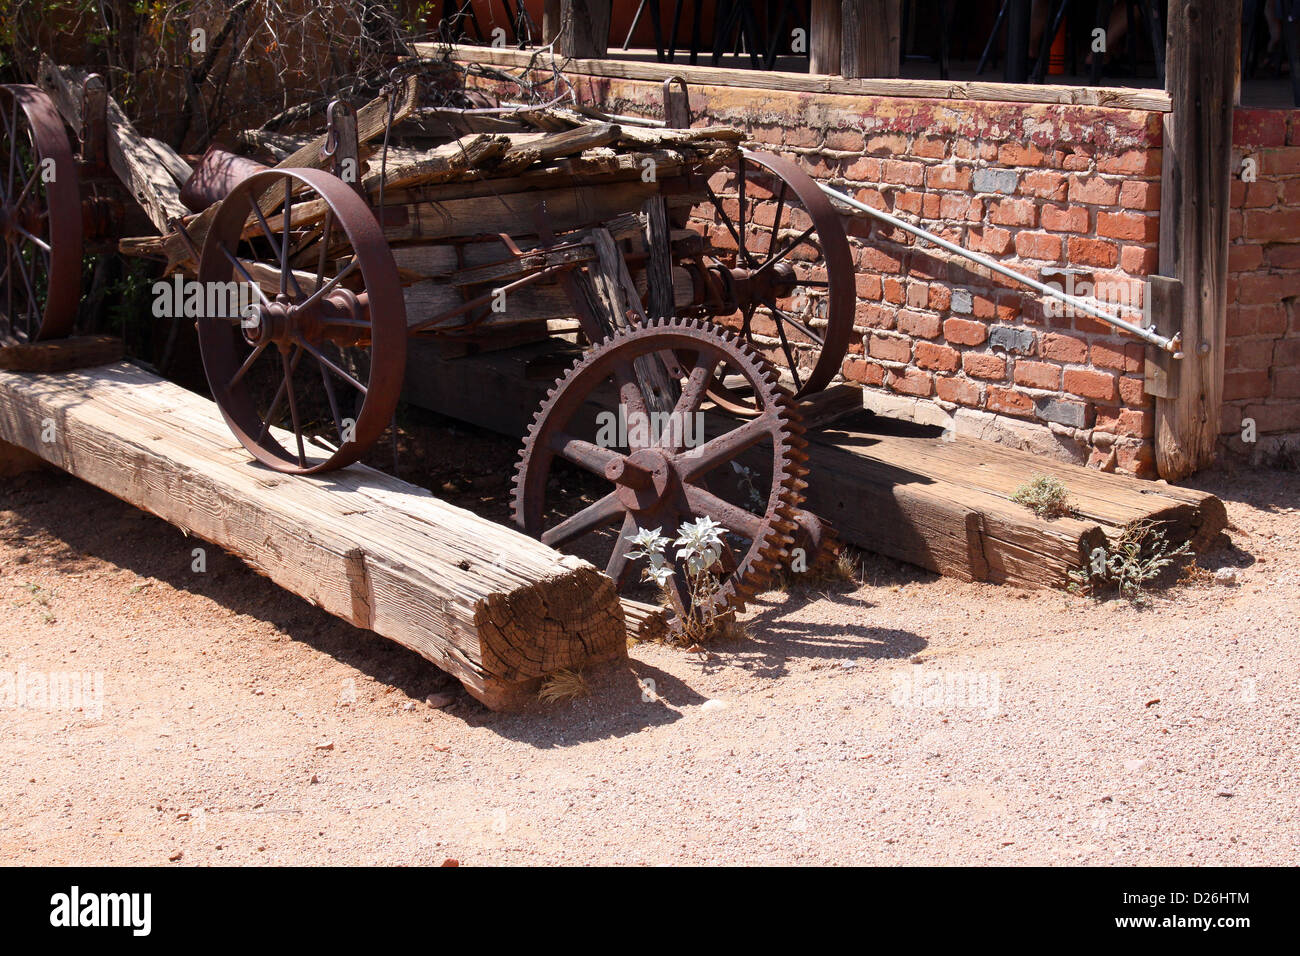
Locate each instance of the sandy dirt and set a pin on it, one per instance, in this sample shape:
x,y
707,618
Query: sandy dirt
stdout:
x,y
910,719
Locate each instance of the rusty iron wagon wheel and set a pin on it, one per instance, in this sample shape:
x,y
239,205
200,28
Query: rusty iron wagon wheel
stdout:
x,y
40,218
780,256
746,474
307,366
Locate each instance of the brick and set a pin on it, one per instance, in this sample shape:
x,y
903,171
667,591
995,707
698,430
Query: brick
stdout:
x,y
868,373
984,365
1076,162
893,290
1138,260
1286,383
1043,184
1089,383
1013,212
931,205
940,358
875,259
1128,225
1081,251
959,391
1011,339
996,180
911,381
1138,194
849,140
1107,356
1132,422
1093,190
1020,154
1063,412
902,173
1132,391
930,147
1039,245
868,286
1249,354
1279,162
989,239
869,316
887,144
1265,225
1133,162
965,332
961,303
940,297
918,294
908,201
1009,401
1248,384
1260,194
1136,459
1064,218
1257,128
1037,374
948,176
863,170
920,324
890,349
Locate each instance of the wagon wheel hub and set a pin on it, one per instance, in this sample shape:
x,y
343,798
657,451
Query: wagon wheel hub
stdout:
x,y
750,288
287,320
643,479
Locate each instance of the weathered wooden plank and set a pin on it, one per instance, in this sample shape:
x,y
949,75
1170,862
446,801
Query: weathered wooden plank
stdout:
x,y
146,171
1115,97
60,355
1202,66
825,38
496,609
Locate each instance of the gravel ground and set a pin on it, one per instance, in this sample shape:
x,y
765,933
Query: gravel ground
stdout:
x,y
908,720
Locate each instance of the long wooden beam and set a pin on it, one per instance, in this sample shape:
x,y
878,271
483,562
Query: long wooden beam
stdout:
x,y
1202,65
494,608
1113,97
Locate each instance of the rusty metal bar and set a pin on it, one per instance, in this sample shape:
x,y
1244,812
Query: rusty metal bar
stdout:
x,y
1171,345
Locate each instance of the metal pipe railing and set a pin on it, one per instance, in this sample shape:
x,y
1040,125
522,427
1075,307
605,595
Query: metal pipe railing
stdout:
x,y
1172,345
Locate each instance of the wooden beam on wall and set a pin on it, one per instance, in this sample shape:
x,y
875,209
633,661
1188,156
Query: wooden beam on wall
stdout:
x,y
1202,63
824,41
584,28
872,38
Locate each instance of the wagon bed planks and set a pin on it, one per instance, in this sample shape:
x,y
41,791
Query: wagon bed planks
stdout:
x,y
889,487
494,608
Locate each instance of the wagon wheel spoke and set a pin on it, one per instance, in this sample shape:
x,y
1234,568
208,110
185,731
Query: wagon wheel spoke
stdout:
x,y
776,220
785,318
243,271
790,360
37,240
619,563
584,454
293,408
328,287
590,518
286,273
734,517
742,250
788,248
326,363
253,356
272,414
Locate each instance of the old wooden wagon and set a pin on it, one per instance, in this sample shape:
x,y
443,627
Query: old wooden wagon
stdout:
x,y
480,226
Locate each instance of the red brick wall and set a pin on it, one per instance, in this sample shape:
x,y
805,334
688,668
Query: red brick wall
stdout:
x,y
1261,379
1036,186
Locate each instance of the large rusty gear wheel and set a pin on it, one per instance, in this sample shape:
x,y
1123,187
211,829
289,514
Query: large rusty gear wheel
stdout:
x,y
661,480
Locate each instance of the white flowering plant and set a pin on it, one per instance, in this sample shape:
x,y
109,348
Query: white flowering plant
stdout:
x,y
699,547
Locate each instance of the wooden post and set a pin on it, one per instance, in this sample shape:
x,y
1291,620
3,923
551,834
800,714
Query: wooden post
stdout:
x,y
584,28
1201,76
824,43
872,37
550,20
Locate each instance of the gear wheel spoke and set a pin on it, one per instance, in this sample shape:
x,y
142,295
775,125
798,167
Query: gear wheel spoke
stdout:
x,y
748,475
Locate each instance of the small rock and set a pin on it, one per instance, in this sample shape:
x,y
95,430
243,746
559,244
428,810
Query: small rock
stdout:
x,y
175,857
849,665
1134,765
439,701
409,705
714,705
1225,793
1225,576
315,779
326,745
450,862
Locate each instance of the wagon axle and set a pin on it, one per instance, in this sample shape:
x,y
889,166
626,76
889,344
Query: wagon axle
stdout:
x,y
341,316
